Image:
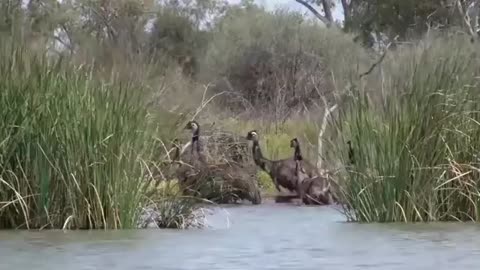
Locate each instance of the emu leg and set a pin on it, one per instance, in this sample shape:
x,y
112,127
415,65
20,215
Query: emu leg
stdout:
x,y
301,191
275,182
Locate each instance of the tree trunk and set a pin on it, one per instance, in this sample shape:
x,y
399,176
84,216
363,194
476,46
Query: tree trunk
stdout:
x,y
327,8
327,19
347,11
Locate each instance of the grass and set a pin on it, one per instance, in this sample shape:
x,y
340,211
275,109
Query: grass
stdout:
x,y
416,142
73,148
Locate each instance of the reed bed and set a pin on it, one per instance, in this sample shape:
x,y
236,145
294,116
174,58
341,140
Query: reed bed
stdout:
x,y
74,149
416,140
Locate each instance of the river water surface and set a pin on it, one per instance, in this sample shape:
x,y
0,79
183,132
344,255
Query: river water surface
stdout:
x,y
268,236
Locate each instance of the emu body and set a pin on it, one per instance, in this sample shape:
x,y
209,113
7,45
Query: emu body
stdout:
x,y
281,171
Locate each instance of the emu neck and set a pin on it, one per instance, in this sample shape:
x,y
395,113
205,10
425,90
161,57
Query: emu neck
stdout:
x,y
196,146
195,137
176,153
260,161
297,154
298,170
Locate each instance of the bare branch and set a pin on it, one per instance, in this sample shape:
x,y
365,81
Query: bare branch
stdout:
x,y
327,113
379,61
65,44
372,67
466,20
315,12
205,101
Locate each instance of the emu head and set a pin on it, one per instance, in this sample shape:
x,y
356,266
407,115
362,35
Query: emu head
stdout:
x,y
294,143
252,135
195,128
192,125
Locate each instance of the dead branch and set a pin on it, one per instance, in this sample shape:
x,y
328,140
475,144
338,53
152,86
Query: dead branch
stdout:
x,y
379,61
205,101
327,113
466,20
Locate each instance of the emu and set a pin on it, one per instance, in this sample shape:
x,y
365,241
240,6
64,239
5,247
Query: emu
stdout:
x,y
281,171
196,143
311,190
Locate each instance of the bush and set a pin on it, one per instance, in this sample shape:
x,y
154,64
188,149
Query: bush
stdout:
x,y
175,36
229,175
276,62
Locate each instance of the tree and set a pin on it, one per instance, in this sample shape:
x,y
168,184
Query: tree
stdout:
x,y
176,37
404,19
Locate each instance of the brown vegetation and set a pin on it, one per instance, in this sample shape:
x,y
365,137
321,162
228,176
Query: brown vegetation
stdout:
x,y
217,169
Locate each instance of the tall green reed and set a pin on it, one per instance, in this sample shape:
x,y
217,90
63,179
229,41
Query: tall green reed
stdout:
x,y
416,142
72,147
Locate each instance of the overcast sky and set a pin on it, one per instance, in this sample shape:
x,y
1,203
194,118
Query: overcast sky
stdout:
x,y
272,4
293,5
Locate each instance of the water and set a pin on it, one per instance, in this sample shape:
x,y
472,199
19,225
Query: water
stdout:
x,y
269,236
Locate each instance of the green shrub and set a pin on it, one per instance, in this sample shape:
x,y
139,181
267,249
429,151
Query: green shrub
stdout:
x,y
276,62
